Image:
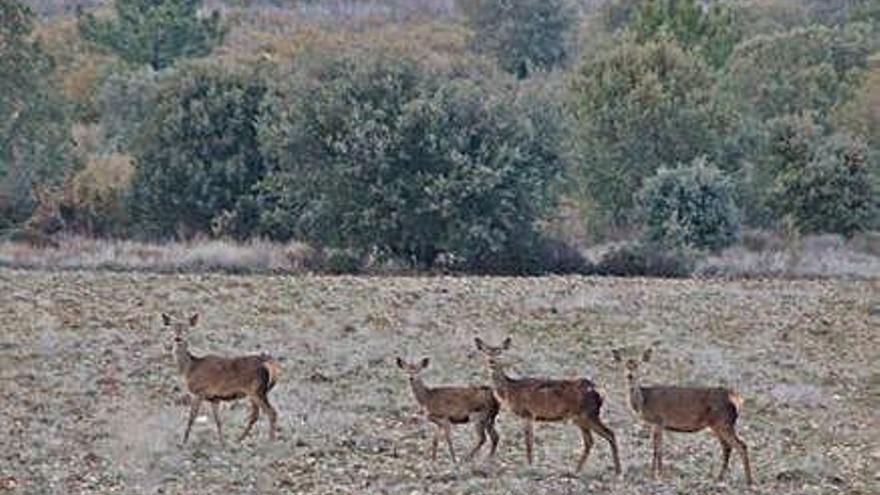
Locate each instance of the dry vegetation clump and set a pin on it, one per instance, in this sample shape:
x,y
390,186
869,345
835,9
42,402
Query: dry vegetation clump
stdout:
x,y
90,401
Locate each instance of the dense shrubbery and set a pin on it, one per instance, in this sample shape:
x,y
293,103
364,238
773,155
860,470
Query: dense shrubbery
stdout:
x,y
690,206
455,137
378,152
197,155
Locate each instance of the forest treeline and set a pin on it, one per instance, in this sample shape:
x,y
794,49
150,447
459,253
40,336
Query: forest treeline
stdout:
x,y
486,135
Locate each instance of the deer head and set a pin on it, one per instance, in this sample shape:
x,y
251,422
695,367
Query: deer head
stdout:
x,y
179,329
412,369
630,362
493,353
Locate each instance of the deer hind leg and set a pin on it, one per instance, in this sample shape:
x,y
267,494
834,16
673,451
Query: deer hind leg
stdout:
x,y
493,435
252,420
725,453
588,442
480,427
657,461
193,412
215,411
528,433
603,431
267,408
729,435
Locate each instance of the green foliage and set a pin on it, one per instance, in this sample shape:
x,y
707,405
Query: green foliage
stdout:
x,y
690,206
641,107
155,32
379,152
805,69
35,142
712,32
525,35
821,180
197,155
125,100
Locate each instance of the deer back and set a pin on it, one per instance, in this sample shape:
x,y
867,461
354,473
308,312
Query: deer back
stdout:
x,y
549,400
225,378
685,408
458,403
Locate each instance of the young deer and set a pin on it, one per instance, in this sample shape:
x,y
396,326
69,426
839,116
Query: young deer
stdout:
x,y
216,379
445,406
685,409
540,399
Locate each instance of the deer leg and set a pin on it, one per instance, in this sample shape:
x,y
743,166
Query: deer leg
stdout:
x,y
603,431
193,412
732,439
480,423
434,442
255,415
215,411
528,429
657,464
267,408
588,443
446,427
725,453
493,435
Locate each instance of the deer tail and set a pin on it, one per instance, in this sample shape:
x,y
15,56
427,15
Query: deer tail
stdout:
x,y
736,400
273,369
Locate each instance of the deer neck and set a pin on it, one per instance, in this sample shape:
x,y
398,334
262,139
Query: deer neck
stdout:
x,y
636,398
419,389
182,357
500,380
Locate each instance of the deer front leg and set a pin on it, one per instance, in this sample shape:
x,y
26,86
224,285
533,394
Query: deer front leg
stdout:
x,y
479,421
657,463
447,427
193,412
215,411
528,430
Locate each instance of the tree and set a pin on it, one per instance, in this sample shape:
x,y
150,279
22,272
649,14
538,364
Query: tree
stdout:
x,y
711,31
801,70
690,206
35,142
641,107
524,35
379,152
155,32
820,179
197,156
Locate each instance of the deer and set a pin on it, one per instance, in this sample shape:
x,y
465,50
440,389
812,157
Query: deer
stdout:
x,y
684,409
448,405
217,379
549,400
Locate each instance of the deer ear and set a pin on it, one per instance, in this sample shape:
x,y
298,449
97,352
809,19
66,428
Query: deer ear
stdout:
x,y
647,355
615,353
425,362
400,363
479,342
506,344
166,319
194,319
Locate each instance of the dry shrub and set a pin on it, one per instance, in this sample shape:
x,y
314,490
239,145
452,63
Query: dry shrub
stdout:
x,y
94,196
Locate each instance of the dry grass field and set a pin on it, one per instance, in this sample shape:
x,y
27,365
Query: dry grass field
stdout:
x,y
91,403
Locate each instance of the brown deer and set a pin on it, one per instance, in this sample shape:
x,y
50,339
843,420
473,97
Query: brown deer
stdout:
x,y
541,399
685,409
216,379
445,406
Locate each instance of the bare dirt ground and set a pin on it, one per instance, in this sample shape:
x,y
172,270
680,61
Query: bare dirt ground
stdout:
x,y
91,402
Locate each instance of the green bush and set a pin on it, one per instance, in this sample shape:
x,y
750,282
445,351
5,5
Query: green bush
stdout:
x,y
197,157
155,32
525,35
828,189
380,152
690,206
640,107
35,139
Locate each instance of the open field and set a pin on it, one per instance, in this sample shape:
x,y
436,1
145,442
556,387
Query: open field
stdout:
x,y
91,404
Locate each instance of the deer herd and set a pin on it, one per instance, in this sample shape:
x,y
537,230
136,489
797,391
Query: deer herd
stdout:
x,y
216,379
